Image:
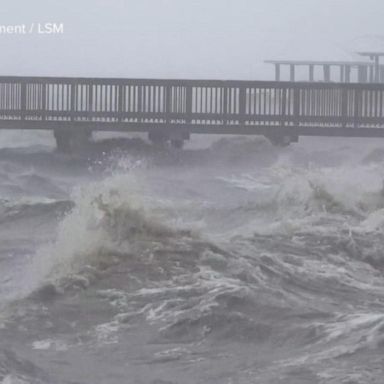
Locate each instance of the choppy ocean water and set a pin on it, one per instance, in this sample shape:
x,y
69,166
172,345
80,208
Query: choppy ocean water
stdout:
x,y
231,262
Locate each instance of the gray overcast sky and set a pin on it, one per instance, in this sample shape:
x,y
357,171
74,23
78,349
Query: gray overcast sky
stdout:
x,y
184,38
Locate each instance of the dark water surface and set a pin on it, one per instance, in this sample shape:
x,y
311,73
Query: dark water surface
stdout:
x,y
229,262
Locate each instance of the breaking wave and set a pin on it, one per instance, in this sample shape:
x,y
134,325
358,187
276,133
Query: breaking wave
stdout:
x,y
298,266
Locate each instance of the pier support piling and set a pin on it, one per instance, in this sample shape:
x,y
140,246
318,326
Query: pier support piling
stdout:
x,y
70,140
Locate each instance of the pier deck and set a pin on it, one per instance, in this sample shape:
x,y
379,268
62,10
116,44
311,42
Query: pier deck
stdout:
x,y
183,107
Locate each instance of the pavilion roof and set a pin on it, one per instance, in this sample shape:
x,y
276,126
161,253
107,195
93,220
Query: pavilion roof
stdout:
x,y
316,62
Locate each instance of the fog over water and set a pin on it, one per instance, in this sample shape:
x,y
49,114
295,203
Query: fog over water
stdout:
x,y
185,39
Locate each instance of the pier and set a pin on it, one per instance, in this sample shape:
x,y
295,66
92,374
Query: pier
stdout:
x,y
172,110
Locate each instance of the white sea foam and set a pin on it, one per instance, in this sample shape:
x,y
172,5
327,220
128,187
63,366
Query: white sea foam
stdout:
x,y
11,379
103,215
53,344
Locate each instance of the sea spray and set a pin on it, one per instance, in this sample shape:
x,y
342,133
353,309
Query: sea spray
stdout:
x,y
103,213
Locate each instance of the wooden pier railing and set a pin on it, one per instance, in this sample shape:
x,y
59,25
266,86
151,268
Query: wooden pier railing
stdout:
x,y
193,106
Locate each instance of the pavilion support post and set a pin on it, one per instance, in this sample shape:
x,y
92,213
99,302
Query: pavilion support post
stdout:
x,y
371,77
311,72
347,73
277,72
292,72
327,73
360,74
